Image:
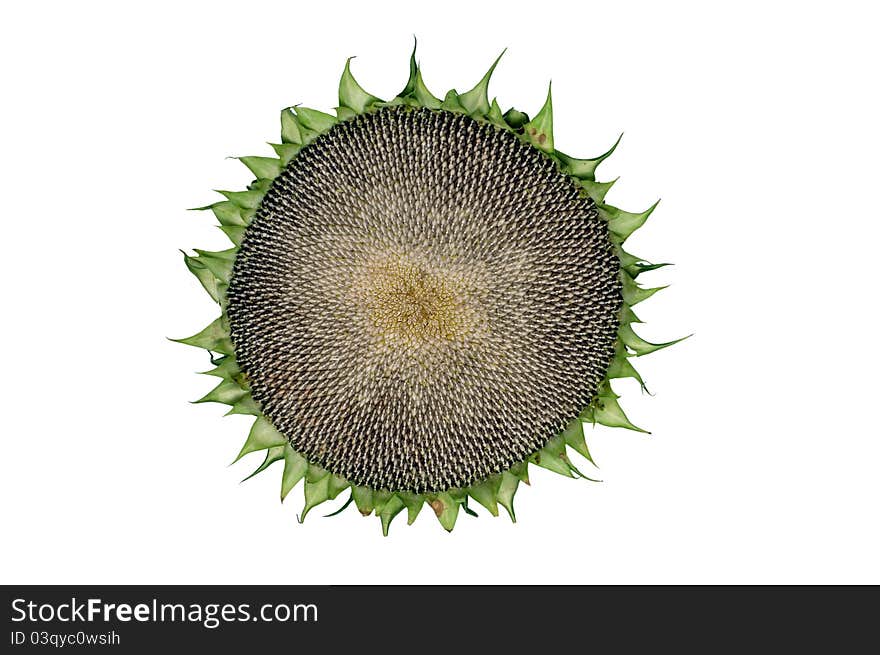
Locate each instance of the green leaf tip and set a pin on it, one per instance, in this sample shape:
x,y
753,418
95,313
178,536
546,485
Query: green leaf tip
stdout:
x,y
394,506
379,498
521,471
423,96
214,338
414,504
621,367
486,493
261,437
226,212
585,169
574,437
226,393
635,266
495,115
539,131
315,493
476,101
244,199
203,274
264,168
342,508
633,294
351,94
320,486
295,468
450,102
597,190
552,460
286,151
272,455
413,71
607,411
246,406
315,120
641,347
621,223
467,510
225,367
445,509
363,499
506,491
218,262
290,129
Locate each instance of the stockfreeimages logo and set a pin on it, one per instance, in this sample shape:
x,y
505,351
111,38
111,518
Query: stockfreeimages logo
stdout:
x,y
209,615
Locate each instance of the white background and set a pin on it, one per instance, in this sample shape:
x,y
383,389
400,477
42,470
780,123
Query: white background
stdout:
x,y
756,124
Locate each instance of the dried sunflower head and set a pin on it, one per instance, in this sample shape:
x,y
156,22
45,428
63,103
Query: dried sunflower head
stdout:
x,y
423,297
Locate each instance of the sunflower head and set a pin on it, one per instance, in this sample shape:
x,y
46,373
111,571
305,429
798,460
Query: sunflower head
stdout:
x,y
423,297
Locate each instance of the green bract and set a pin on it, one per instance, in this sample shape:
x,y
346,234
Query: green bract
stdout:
x,y
440,308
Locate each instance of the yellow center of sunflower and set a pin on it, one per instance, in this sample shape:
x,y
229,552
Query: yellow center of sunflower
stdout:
x,y
405,300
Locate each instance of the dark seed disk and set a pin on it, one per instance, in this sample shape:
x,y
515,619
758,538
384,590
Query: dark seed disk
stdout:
x,y
423,300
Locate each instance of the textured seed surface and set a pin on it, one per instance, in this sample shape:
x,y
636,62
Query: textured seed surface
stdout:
x,y
423,300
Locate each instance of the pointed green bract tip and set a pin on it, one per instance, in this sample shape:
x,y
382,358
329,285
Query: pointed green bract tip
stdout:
x,y
552,461
607,411
342,508
315,493
266,168
641,347
495,116
621,367
295,468
633,294
445,509
226,393
506,491
272,455
597,190
219,263
351,94
263,435
450,101
413,70
315,120
422,95
290,130
486,493
226,212
214,338
585,169
286,152
621,223
476,101
539,131
204,275
574,438
414,504
392,508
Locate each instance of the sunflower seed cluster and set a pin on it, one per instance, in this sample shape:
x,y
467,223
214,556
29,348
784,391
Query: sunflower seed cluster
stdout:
x,y
423,300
